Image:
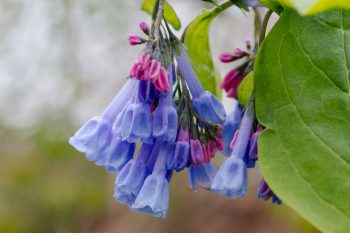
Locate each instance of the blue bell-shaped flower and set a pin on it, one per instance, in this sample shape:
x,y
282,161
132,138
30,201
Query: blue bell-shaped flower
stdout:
x,y
201,176
153,198
231,179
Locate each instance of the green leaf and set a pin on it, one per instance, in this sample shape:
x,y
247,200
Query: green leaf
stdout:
x,y
169,13
272,5
245,89
302,97
198,49
309,7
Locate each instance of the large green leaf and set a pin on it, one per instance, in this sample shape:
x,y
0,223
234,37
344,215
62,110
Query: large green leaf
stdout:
x,y
169,13
309,7
198,48
302,97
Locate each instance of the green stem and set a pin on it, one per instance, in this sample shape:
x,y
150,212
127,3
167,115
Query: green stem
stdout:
x,y
158,19
264,26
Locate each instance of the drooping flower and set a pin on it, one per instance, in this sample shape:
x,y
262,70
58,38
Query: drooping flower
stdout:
x,y
147,93
205,104
201,176
132,176
197,154
265,193
137,122
179,159
115,157
95,135
252,152
231,179
153,198
231,124
165,120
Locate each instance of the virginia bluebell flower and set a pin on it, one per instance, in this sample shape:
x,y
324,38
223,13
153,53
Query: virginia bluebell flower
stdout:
x,y
201,176
147,93
134,122
265,193
252,152
94,136
179,158
197,154
231,179
115,157
153,198
205,104
231,124
132,176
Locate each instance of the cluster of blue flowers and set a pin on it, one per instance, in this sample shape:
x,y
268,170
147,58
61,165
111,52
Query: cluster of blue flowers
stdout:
x,y
164,110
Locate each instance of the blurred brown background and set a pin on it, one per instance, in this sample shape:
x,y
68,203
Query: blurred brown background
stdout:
x,y
61,62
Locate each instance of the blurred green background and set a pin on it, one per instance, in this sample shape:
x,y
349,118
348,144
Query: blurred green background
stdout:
x,y
61,62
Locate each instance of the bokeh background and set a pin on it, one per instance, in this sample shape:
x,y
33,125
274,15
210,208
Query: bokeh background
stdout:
x,y
61,62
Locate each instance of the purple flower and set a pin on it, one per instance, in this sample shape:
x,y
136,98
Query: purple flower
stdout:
x,y
165,120
147,93
231,124
135,122
265,193
95,135
209,108
197,154
132,176
153,198
116,155
231,179
205,104
179,158
252,151
201,176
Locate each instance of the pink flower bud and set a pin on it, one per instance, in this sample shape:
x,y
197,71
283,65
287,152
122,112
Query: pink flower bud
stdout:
x,y
226,57
135,39
239,52
144,28
248,44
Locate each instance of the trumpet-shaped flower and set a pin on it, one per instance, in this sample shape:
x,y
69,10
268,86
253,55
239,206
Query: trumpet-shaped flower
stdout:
x,y
201,176
205,104
231,124
165,120
95,135
132,176
231,179
153,198
116,155
179,159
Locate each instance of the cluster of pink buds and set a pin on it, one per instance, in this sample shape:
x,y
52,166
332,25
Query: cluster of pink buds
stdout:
x,y
235,76
203,151
136,39
148,68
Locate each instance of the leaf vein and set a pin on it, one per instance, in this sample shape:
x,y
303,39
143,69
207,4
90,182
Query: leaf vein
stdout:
x,y
310,130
